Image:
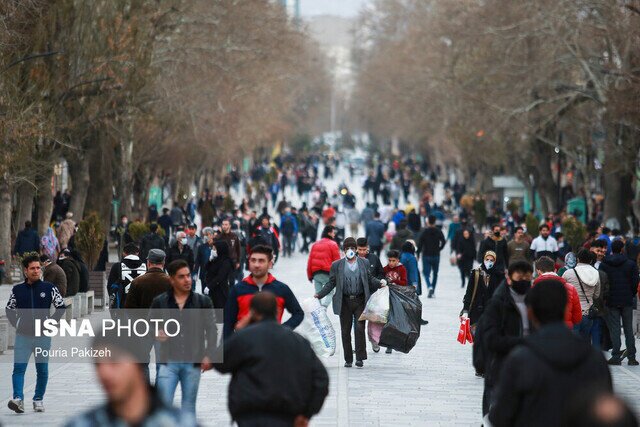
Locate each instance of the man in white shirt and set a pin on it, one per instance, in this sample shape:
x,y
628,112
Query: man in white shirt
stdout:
x,y
544,244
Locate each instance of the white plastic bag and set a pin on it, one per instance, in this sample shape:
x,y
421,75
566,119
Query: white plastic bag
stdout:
x,y
377,308
317,328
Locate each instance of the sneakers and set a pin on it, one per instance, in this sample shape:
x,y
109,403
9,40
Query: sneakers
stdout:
x,y
633,362
38,406
430,295
359,364
16,405
614,361
424,322
388,351
348,364
624,354
375,347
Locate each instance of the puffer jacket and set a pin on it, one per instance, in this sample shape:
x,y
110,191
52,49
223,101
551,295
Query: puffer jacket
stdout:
x,y
623,279
590,282
573,311
323,253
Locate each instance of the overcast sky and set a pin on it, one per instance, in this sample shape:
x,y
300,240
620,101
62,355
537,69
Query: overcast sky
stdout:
x,y
347,8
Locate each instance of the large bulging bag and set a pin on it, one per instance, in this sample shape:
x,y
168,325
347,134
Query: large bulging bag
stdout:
x,y
317,328
403,326
377,308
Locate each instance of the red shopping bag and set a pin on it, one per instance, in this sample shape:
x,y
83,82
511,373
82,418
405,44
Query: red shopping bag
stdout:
x,y
464,333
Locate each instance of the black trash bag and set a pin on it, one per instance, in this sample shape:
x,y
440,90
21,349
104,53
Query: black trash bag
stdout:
x,y
405,312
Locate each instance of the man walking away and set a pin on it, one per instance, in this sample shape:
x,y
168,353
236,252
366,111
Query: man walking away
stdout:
x,y
289,231
32,294
623,284
26,241
53,273
540,378
122,274
544,271
374,232
293,384
152,240
431,243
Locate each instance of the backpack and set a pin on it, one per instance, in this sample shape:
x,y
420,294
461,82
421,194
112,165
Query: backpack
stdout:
x,y
287,226
118,291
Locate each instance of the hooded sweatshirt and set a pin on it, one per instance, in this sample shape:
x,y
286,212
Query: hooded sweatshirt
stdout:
x,y
539,378
590,282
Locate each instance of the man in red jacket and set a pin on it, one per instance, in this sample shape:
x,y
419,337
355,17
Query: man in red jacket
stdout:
x,y
323,253
545,271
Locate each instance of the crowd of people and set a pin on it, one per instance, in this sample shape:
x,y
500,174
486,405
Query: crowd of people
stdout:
x,y
531,301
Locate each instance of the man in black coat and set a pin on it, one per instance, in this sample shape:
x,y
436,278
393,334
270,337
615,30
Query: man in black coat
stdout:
x,y
151,240
277,378
181,250
541,378
363,252
498,244
503,325
623,284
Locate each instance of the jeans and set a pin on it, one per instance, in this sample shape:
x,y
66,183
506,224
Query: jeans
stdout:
x,y
431,263
584,328
288,243
613,323
596,333
319,280
25,346
352,307
188,375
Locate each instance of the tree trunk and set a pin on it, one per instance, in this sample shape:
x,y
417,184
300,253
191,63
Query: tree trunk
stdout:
x,y
5,225
100,186
44,199
80,178
24,208
618,196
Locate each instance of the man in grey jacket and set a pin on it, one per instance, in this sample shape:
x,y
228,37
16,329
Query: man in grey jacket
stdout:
x,y
353,282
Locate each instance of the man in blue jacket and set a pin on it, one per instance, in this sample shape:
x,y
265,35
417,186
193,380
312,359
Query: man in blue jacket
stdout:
x,y
27,240
33,293
623,283
374,232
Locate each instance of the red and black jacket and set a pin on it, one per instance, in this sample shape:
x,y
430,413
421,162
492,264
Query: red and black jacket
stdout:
x,y
240,297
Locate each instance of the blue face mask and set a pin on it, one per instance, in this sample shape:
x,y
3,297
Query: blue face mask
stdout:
x,y
350,253
488,264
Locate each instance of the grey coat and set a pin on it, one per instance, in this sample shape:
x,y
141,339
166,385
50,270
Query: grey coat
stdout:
x,y
336,280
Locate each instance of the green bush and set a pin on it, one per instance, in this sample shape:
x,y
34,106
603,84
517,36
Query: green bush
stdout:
x,y
137,230
574,231
89,239
532,225
480,211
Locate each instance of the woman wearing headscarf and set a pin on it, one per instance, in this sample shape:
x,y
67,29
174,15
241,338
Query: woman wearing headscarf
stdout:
x,y
50,245
465,254
483,282
219,274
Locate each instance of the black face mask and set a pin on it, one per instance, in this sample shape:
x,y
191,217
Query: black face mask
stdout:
x,y
497,234
521,286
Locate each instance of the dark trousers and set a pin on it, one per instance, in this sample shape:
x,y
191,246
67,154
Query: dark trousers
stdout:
x,y
352,307
613,324
376,250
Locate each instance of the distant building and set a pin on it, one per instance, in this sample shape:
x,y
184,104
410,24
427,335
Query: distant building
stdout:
x,y
292,7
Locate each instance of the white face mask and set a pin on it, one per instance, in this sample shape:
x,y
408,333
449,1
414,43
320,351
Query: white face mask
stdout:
x,y
213,255
183,241
350,254
488,264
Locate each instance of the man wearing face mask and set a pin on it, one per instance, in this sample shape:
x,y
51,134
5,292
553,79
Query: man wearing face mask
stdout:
x,y
504,324
181,250
203,254
352,279
496,243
